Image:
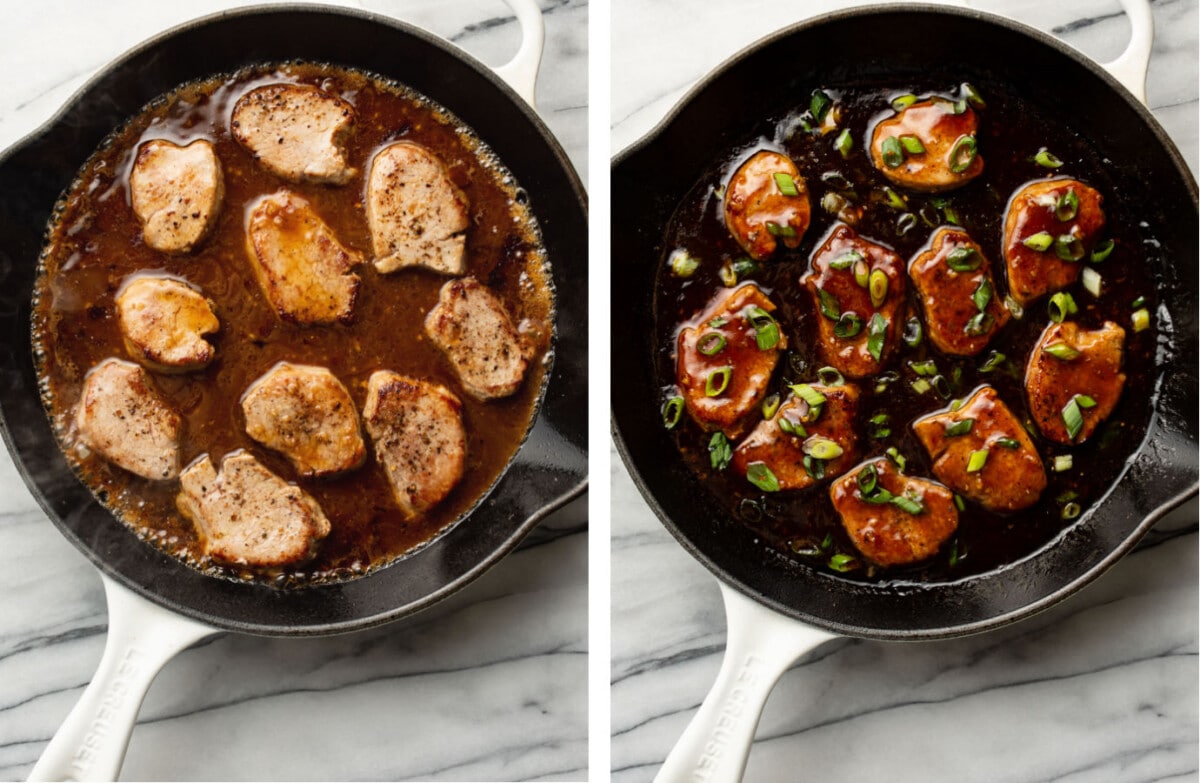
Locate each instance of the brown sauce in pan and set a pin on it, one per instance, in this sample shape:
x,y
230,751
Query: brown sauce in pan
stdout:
x,y
95,245
802,525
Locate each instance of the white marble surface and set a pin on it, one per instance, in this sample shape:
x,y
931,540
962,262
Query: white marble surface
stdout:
x,y
489,685
1101,688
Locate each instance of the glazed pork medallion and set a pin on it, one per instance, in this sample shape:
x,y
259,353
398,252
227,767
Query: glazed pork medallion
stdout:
x,y
889,360
290,323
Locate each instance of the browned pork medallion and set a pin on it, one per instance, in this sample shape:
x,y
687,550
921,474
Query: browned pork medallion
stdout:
x,y
290,322
894,362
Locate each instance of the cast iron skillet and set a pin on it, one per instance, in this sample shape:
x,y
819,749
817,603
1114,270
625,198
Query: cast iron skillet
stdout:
x,y
650,179
550,467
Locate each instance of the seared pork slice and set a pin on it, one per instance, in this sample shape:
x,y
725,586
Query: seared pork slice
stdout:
x,y
246,515
954,282
296,131
419,438
893,519
176,193
982,452
417,215
725,357
301,267
1073,379
163,323
471,327
804,442
122,416
1049,226
306,414
928,147
858,325
766,203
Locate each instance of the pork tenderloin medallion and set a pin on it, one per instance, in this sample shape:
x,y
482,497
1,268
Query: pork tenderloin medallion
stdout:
x,y
474,330
929,146
306,414
176,193
416,214
246,515
122,416
1073,379
164,322
296,131
302,268
954,284
419,438
766,204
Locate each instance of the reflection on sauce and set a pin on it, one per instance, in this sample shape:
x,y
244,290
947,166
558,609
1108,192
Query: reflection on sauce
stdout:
x,y
95,247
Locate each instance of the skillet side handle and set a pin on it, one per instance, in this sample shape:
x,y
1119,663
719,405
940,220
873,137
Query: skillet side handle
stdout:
x,y
142,637
761,645
521,71
1131,65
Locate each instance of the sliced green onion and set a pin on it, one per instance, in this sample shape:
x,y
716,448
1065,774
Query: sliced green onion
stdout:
x,y
792,427
846,260
744,266
1067,206
897,458
960,106
720,453
770,405
844,143
1061,350
963,153
785,183
1041,241
1093,283
878,287
776,230
834,203
819,105
761,476
913,332
1071,510
718,322
983,295
956,404
830,306
892,152
1085,401
876,330
1102,250
959,503
842,563
903,102
905,223
907,504
977,460
963,259
1072,417
1068,247
978,325
682,264
1139,302
972,95
1008,443
1047,159
920,386
883,379
848,325
1067,497
672,411
838,181
879,497
766,329
925,368
912,145
717,381
821,448
1062,463
894,199
830,376
710,343
1014,307
728,275
960,427
929,215
1060,306
867,478
951,215
862,274
879,429
941,386
808,394
1140,320
814,468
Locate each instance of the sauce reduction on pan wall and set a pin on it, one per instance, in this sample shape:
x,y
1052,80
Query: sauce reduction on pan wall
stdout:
x,y
802,525
94,244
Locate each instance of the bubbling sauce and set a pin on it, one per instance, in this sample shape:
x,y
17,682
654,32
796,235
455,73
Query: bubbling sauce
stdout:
x,y
95,246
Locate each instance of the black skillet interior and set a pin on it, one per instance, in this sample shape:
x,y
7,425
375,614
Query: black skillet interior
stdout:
x,y
550,468
874,46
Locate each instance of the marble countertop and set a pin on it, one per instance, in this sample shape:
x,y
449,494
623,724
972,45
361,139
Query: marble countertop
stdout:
x,y
1102,687
490,684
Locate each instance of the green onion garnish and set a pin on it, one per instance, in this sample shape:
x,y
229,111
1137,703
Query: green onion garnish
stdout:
x,y
1139,302
959,503
960,427
892,152
903,102
1041,241
766,329
718,322
920,386
983,295
963,259
808,394
878,287
977,460
830,306
761,476
972,95
785,183
879,497
1085,401
963,153
907,504
1014,307
862,274
744,266
814,468
1047,159
770,405
845,260
926,368
682,264
951,215
1072,417
979,324
912,145
848,325
896,457
905,223
1067,496
776,230
1062,463
1061,350
1060,306
941,386
819,105
842,563
1071,510
1093,283
821,448
1102,250
1008,443
1068,247
672,411
728,275
876,330
717,381
1140,319
792,427
844,143
879,428
913,332
710,343
830,376
1067,206
867,478
720,453
894,199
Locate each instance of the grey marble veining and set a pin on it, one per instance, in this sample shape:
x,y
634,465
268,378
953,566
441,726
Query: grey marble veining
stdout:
x,y
1102,687
491,684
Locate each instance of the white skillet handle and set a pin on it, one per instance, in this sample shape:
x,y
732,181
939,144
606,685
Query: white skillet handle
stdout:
x,y
1131,65
91,743
521,71
761,645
